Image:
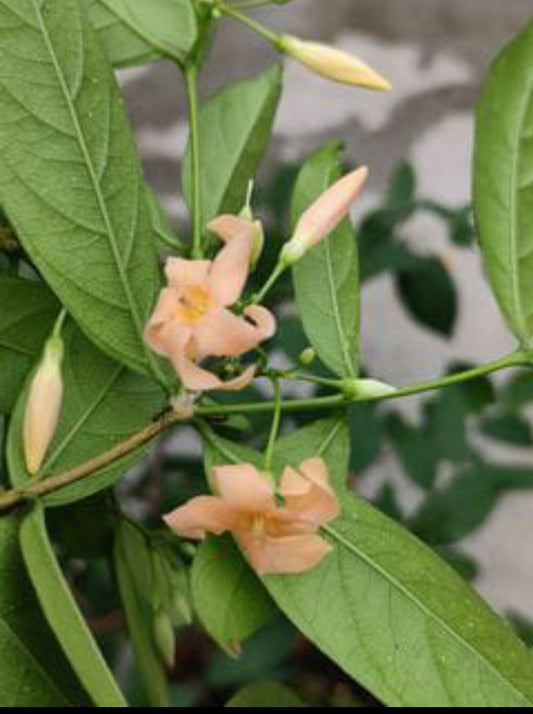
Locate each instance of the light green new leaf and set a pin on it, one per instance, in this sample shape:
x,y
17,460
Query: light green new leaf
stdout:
x,y
135,32
265,695
27,314
503,182
62,612
104,404
391,613
235,128
326,280
228,598
70,180
129,544
34,672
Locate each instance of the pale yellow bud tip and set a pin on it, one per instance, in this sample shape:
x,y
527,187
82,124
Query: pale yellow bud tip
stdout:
x,y
334,64
43,406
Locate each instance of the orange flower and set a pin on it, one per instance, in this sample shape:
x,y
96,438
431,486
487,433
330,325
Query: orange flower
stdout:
x,y
228,227
192,322
324,215
276,539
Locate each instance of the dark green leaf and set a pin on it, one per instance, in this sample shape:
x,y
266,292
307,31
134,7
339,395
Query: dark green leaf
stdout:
x,y
235,128
34,671
402,188
503,181
510,428
265,695
138,32
429,294
326,280
70,179
415,450
230,601
63,615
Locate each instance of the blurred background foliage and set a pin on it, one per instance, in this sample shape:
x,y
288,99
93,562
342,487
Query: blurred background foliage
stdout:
x,y
443,455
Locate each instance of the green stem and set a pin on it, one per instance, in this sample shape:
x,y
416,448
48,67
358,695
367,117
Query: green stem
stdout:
x,y
50,485
276,274
274,431
255,26
60,322
191,81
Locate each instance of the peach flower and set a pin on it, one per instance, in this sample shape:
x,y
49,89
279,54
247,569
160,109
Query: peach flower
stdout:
x,y
192,322
276,539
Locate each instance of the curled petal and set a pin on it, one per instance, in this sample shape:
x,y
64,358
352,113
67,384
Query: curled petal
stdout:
x,y
228,227
230,271
223,334
182,273
197,379
308,495
264,320
201,515
283,556
244,488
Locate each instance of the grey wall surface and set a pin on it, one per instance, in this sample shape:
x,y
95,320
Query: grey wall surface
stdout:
x,y
435,52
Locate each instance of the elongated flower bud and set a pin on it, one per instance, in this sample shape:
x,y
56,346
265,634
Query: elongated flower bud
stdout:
x,y
43,406
324,215
333,64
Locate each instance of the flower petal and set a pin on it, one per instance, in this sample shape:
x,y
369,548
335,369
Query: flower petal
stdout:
x,y
228,227
282,556
264,321
230,271
201,515
308,495
197,379
223,334
182,273
163,331
239,383
244,488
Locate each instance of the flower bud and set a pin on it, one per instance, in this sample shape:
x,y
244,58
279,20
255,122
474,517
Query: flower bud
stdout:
x,y
164,637
324,216
333,64
366,389
43,406
307,357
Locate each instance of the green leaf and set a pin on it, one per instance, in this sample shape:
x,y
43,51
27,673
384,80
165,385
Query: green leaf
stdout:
x,y
27,317
229,599
394,616
161,225
415,449
235,128
130,544
104,404
265,695
402,188
34,671
136,32
429,294
326,280
511,428
62,612
503,181
70,180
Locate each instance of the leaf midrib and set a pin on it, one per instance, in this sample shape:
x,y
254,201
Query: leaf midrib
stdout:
x,y
350,546
110,231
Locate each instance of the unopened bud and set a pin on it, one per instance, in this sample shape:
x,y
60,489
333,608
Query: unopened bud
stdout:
x,y
164,637
43,406
307,357
366,389
333,63
323,216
